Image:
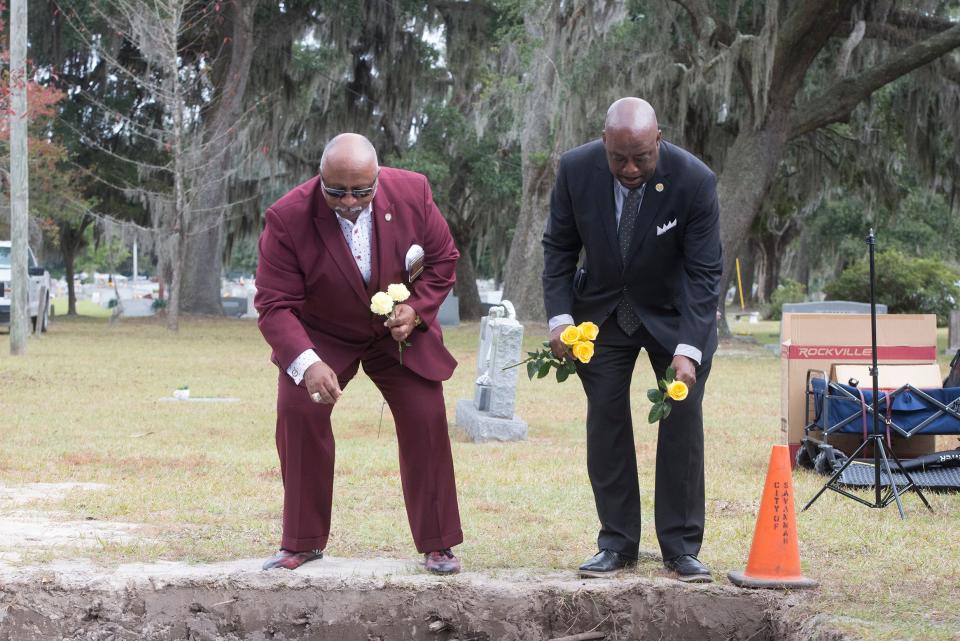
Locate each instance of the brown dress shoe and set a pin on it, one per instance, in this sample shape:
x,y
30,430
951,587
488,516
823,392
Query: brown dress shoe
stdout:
x,y
441,562
291,560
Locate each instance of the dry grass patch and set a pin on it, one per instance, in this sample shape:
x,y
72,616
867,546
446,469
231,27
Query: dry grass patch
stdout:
x,y
203,478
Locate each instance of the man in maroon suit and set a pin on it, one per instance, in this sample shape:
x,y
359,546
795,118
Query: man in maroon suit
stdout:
x,y
326,248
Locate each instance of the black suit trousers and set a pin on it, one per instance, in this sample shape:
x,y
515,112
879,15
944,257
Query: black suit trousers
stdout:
x,y
611,454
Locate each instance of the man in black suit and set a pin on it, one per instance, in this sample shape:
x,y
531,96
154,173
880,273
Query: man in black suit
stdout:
x,y
646,216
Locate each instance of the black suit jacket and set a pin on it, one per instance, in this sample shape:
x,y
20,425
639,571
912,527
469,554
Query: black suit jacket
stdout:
x,y
672,272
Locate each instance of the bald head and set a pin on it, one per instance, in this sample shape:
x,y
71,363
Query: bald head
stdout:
x,y
631,113
631,137
347,150
349,167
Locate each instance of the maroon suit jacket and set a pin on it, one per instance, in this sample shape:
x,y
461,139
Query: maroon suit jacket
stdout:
x,y
310,293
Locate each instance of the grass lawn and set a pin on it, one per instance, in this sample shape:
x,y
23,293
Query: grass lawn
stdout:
x,y
203,478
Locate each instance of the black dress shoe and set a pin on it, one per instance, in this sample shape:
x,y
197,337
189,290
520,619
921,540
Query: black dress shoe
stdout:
x,y
606,563
688,568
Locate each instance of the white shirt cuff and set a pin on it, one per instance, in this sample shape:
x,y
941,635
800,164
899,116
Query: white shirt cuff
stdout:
x,y
689,351
299,366
557,321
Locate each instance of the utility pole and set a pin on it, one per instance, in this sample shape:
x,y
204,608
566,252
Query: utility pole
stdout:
x,y
19,178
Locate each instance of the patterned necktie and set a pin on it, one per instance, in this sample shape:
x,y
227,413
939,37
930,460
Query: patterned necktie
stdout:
x,y
627,319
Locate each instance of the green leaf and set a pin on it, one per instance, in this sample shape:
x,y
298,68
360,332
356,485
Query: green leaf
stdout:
x,y
662,384
654,396
670,374
666,409
544,369
654,415
531,369
545,343
562,374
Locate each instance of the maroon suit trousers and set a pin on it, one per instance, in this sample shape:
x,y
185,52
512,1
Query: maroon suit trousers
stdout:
x,y
306,445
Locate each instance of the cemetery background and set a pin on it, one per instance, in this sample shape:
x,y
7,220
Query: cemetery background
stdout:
x,y
199,482
485,94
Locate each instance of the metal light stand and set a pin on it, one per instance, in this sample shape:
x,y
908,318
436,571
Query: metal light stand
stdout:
x,y
881,456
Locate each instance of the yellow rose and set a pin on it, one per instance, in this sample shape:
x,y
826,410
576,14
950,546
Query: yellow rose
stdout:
x,y
381,303
588,330
570,336
583,351
677,390
398,292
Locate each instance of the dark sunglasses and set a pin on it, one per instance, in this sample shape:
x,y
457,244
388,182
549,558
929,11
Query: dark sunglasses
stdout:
x,y
339,194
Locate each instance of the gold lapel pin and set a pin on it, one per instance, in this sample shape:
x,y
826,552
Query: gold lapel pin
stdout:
x,y
659,187
387,217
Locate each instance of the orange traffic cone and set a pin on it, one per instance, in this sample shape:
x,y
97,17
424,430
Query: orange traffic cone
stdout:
x,y
774,555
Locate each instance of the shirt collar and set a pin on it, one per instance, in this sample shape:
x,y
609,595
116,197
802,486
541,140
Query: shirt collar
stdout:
x,y
626,190
365,214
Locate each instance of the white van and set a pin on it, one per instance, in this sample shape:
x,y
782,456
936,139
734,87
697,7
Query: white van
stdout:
x,y
38,290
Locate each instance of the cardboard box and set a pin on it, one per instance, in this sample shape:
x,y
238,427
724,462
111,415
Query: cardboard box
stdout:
x,y
822,341
890,377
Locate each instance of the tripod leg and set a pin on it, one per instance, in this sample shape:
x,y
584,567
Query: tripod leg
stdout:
x,y
916,488
878,442
836,475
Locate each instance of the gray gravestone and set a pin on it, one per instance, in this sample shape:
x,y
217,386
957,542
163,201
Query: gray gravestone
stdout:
x,y
490,415
251,310
449,312
234,306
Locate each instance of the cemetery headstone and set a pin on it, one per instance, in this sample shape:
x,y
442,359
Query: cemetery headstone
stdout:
x,y
490,415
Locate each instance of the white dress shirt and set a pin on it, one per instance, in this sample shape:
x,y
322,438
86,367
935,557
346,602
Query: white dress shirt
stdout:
x,y
359,237
619,195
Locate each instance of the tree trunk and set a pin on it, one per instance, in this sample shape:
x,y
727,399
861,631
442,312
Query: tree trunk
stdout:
x,y
466,288
71,242
803,266
182,206
201,267
173,301
202,261
562,30
748,174
770,276
522,275
68,260
468,298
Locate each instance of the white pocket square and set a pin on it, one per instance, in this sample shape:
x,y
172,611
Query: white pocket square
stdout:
x,y
413,262
662,229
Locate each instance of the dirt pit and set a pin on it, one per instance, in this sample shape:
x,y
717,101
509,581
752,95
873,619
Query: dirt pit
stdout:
x,y
345,599
371,600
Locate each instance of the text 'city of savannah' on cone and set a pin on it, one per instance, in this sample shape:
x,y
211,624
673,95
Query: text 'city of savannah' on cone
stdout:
x,y
774,554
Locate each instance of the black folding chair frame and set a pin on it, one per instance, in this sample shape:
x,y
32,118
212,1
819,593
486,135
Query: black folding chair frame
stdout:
x,y
834,392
